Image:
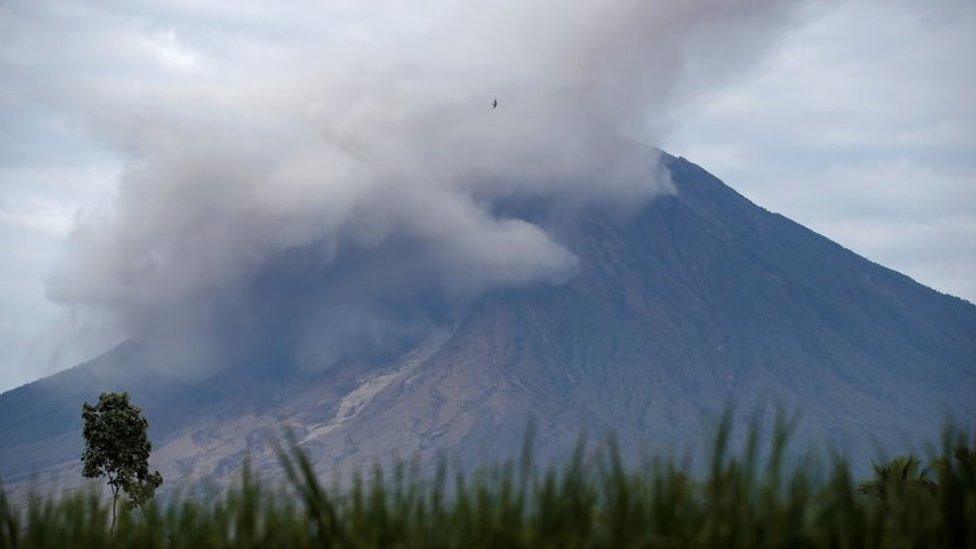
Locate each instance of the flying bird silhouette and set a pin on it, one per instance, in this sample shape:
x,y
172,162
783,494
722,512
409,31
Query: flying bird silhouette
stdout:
x,y
494,103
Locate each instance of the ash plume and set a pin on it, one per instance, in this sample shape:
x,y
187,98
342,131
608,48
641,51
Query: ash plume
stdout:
x,y
307,184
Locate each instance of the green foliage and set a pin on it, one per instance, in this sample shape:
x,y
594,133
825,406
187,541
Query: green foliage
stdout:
x,y
900,475
744,497
117,447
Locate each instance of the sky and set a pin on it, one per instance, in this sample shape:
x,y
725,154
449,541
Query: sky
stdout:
x,y
153,153
862,126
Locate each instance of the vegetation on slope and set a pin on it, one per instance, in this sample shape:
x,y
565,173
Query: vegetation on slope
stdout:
x,y
750,497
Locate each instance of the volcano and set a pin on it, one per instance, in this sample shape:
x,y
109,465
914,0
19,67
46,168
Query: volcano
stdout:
x,y
695,299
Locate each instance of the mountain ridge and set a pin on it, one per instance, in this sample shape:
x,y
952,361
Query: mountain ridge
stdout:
x,y
698,298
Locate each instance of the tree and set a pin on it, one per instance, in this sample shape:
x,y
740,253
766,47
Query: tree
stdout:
x,y
898,476
117,446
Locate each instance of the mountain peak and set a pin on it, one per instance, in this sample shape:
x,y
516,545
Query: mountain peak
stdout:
x,y
694,300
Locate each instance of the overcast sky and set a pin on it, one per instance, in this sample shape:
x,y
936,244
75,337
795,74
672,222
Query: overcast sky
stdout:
x,y
862,126
857,119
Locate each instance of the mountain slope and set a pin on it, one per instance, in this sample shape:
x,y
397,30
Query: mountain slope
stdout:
x,y
697,299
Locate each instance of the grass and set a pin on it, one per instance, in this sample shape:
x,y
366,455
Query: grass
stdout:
x,y
747,497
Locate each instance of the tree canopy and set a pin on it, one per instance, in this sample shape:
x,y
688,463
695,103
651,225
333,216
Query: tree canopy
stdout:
x,y
117,446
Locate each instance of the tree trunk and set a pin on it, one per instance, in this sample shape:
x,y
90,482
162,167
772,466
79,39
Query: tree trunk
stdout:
x,y
115,499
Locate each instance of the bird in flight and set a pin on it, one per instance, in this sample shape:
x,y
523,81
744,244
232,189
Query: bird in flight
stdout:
x,y
494,103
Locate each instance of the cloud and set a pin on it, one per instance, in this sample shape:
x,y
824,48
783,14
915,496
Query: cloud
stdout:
x,y
285,167
860,126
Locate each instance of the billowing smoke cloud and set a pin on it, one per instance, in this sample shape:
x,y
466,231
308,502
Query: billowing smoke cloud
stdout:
x,y
328,180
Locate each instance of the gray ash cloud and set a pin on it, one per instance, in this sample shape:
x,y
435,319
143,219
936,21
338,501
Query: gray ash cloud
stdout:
x,y
308,184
